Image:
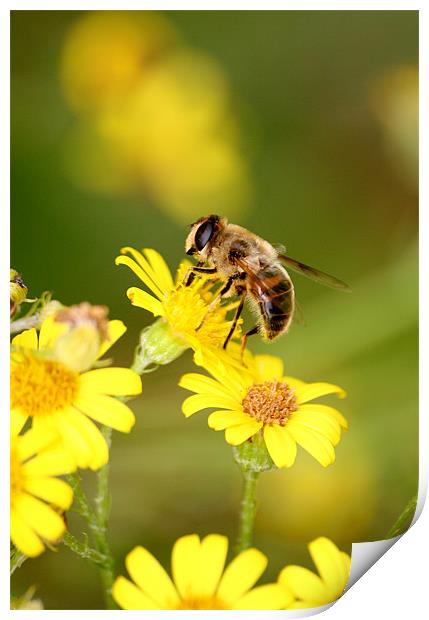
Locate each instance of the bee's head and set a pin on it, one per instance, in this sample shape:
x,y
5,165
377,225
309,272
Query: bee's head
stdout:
x,y
202,234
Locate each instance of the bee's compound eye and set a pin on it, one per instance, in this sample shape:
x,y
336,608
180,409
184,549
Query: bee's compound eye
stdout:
x,y
204,234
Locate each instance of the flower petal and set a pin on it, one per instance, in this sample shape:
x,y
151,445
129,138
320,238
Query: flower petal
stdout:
x,y
17,420
219,420
316,444
26,340
93,437
160,268
310,391
23,536
50,331
151,577
142,274
106,410
73,440
185,564
293,382
128,596
330,564
241,575
35,440
212,561
52,462
147,268
144,300
44,520
52,490
326,410
112,381
235,379
115,329
326,426
280,445
269,596
268,367
305,585
200,384
197,402
235,435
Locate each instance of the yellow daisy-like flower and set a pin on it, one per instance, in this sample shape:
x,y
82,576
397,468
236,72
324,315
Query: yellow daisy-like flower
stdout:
x,y
260,399
311,590
36,495
185,309
58,397
199,579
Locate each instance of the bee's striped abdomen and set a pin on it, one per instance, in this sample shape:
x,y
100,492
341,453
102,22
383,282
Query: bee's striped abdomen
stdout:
x,y
273,290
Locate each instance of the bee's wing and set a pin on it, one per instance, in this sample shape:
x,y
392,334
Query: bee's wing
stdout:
x,y
314,274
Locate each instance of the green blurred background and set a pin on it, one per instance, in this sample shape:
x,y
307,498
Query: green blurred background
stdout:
x,y
299,125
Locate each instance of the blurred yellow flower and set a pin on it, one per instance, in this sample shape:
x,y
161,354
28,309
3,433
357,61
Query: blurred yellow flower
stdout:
x,y
182,308
58,397
178,137
106,52
260,399
199,579
36,495
155,116
311,590
26,601
394,98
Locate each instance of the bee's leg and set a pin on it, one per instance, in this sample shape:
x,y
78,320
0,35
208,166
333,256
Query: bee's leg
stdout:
x,y
234,322
251,332
190,274
213,303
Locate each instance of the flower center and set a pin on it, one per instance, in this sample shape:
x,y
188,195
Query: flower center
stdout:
x,y
270,402
40,386
201,603
186,310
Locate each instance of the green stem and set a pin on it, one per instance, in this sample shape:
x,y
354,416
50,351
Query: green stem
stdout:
x,y
248,510
98,518
102,513
97,521
82,549
404,519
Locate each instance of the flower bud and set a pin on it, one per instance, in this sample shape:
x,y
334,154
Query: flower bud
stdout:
x,y
158,345
79,346
18,291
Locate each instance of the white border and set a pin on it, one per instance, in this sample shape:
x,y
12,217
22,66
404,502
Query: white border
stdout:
x,y
396,602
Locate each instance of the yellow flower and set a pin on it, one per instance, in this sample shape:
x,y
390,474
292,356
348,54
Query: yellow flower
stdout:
x,y
36,495
312,590
182,308
57,397
260,399
107,52
199,579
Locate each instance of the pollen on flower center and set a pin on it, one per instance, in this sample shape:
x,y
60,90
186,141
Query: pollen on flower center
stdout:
x,y
188,314
41,386
201,603
270,402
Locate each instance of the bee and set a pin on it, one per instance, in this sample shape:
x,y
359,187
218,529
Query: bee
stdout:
x,y
251,268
